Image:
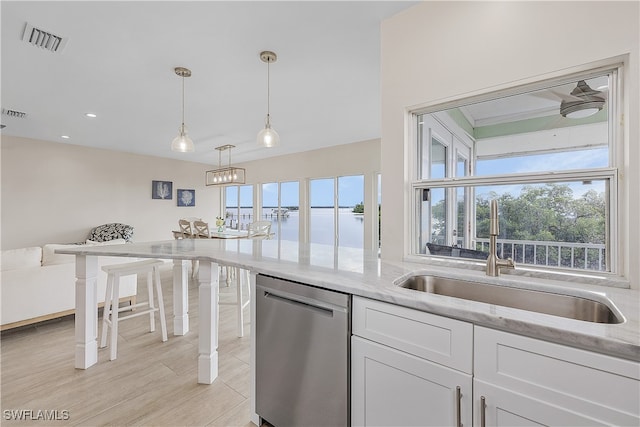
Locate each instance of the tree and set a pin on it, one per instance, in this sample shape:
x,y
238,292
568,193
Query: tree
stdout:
x,y
546,213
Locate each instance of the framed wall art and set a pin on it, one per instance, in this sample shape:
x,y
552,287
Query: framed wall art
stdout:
x,y
161,190
186,197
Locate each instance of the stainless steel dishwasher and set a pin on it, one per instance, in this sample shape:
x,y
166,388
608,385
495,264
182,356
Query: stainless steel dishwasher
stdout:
x,y
302,354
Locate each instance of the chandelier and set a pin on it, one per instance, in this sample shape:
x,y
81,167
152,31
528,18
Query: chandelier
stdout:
x,y
225,175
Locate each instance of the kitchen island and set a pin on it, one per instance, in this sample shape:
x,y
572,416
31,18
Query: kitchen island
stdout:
x,y
359,273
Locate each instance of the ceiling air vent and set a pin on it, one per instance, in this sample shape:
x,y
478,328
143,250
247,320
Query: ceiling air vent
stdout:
x,y
43,39
13,113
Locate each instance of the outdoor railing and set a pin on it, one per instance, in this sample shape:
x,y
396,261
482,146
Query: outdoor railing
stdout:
x,y
587,256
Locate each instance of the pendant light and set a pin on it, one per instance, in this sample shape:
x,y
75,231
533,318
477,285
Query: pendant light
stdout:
x,y
268,137
182,143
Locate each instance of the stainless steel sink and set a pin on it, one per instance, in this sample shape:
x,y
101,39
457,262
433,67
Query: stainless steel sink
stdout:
x,y
569,306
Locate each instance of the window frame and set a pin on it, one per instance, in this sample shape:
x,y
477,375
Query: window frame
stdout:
x,y
611,173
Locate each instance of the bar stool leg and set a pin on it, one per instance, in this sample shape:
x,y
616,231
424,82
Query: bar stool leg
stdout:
x,y
106,311
115,302
240,316
152,318
248,281
163,321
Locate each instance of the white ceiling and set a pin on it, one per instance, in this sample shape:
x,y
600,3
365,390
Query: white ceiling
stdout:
x,y
119,63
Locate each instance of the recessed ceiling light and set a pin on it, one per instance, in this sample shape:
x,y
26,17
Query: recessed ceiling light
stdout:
x,y
65,137
92,115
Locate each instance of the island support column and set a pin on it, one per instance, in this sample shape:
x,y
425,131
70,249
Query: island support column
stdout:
x,y
255,418
208,314
180,297
86,316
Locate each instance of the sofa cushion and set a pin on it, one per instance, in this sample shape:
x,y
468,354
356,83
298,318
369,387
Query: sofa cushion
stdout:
x,y
50,257
111,231
13,259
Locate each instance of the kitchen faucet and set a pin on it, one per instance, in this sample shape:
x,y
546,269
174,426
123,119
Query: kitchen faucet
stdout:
x,y
494,263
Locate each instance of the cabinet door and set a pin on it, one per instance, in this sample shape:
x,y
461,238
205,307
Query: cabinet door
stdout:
x,y
392,388
506,408
595,385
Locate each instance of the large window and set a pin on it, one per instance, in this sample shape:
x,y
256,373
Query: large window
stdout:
x,y
238,206
336,214
545,153
281,206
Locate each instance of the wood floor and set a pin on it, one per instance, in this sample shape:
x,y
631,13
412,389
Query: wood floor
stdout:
x,y
151,383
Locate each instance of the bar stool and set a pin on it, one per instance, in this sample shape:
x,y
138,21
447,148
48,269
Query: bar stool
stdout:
x,y
240,276
111,317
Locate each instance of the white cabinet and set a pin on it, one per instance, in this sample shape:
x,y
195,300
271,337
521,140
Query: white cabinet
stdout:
x,y
506,408
414,368
525,381
392,388
407,367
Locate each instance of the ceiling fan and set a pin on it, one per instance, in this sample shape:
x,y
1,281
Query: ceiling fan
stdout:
x,y
582,101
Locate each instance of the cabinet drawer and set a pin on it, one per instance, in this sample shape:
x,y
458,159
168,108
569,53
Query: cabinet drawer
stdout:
x,y
436,338
589,382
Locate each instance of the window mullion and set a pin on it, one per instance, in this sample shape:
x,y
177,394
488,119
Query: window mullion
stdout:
x,y
604,173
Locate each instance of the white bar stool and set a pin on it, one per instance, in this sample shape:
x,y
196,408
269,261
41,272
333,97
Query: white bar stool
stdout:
x,y
240,276
111,318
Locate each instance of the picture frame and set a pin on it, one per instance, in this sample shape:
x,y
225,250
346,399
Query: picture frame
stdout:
x,y
186,197
162,190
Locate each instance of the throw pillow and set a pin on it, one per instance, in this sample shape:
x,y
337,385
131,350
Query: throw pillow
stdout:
x,y
106,232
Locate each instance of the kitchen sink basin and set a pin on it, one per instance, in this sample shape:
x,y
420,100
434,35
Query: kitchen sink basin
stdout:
x,y
569,306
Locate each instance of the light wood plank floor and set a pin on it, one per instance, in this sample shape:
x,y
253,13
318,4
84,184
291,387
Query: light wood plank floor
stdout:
x,y
151,383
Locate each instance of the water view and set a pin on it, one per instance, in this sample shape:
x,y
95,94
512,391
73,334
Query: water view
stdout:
x,y
286,226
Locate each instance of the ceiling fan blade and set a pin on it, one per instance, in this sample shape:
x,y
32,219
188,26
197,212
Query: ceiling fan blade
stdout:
x,y
554,95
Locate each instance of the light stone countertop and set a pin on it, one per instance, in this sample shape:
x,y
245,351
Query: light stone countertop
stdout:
x,y
359,272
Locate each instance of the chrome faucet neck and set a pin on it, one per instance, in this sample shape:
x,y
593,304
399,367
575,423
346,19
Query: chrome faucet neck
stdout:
x,y
494,263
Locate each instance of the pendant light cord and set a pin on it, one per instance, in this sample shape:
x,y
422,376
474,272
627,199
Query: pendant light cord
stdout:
x,y
268,92
183,103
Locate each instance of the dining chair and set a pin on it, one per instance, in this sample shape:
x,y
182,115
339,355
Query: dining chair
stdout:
x,y
201,229
185,229
259,229
186,232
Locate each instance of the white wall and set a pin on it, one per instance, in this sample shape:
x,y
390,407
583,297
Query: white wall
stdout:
x,y
55,193
358,158
442,51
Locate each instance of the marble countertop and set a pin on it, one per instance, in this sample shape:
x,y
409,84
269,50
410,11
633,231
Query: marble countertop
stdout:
x,y
359,272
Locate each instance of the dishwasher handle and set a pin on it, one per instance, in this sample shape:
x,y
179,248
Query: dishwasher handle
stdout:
x,y
315,306
322,307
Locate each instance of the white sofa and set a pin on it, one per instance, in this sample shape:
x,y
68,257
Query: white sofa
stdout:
x,y
37,284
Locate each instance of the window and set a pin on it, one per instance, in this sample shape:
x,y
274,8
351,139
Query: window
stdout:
x,y
351,211
322,211
554,176
337,211
280,205
238,206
